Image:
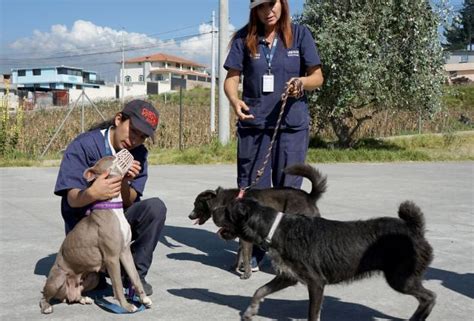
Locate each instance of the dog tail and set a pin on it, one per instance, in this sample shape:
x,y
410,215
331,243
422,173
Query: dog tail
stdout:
x,y
318,180
413,217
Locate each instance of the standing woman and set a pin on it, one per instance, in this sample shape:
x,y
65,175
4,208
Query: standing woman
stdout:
x,y
269,52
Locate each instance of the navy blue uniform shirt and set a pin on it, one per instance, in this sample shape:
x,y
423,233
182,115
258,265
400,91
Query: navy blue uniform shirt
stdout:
x,y
83,152
286,63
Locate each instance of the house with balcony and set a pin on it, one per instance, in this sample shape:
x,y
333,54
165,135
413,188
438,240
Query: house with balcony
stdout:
x,y
54,86
459,66
53,78
160,73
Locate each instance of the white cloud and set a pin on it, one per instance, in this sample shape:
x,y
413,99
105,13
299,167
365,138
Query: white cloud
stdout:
x,y
84,37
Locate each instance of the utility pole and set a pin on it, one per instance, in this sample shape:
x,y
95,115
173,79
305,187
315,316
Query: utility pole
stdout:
x,y
123,68
213,75
224,131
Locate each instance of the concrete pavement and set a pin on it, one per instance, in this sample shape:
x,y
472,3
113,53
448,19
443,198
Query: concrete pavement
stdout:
x,y
190,273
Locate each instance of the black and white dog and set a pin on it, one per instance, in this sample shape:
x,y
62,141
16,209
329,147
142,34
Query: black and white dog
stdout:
x,y
316,251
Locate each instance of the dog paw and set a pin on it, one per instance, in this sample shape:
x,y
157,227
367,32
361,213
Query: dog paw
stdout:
x,y
85,300
46,308
129,307
146,302
250,312
246,276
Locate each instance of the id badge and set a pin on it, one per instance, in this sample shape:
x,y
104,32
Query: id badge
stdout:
x,y
268,83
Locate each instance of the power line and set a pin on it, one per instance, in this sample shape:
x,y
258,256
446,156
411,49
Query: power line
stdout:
x,y
108,45
132,48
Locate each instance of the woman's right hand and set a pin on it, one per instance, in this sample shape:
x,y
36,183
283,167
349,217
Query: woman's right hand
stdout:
x,y
231,86
241,109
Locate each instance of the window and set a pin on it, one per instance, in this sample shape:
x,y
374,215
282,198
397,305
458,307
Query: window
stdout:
x,y
201,78
140,78
52,85
192,77
21,73
78,86
159,77
464,58
36,72
66,71
66,85
128,79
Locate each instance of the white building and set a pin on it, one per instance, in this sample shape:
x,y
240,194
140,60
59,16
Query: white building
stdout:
x,y
160,73
459,65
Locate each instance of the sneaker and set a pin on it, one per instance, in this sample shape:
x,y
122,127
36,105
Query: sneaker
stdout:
x,y
147,287
253,265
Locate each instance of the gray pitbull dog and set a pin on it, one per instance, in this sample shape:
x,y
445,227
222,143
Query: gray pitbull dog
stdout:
x,y
99,242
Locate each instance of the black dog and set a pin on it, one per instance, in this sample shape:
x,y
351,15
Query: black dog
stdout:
x,y
285,199
316,251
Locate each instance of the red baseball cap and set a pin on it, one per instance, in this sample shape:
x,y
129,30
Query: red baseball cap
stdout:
x,y
143,116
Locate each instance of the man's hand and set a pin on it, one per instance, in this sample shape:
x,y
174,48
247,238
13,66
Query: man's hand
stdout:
x,y
133,171
105,188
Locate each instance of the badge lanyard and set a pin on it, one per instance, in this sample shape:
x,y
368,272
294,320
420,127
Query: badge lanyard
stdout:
x,y
268,79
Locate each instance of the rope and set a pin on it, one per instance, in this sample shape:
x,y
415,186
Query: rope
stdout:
x,y
294,89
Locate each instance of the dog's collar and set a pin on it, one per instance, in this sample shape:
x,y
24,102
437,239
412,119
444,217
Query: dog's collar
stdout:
x,y
106,205
275,224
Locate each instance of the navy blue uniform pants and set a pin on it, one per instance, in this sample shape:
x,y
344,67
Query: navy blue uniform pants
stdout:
x,y
290,147
146,219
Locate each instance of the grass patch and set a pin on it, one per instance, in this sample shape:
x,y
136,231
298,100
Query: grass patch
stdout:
x,y
420,148
213,153
446,147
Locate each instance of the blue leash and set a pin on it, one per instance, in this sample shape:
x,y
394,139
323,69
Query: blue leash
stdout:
x,y
115,308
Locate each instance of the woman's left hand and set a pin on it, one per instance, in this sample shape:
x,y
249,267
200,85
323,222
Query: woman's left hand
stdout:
x,y
295,87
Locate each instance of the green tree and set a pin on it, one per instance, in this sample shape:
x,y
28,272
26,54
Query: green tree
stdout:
x,y
376,55
460,34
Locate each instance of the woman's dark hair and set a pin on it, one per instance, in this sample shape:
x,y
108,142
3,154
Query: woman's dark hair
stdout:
x,y
107,123
255,28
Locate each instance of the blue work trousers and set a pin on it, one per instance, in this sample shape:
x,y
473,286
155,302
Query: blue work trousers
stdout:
x,y
290,147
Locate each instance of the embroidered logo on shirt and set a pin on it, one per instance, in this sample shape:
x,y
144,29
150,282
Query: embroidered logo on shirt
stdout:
x,y
293,53
150,117
256,57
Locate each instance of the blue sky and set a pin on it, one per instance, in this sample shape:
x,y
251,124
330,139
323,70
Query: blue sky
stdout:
x,y
33,30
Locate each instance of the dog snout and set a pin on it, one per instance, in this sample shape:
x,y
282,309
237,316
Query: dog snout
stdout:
x,y
192,215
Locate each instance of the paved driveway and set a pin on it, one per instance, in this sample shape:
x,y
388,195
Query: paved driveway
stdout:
x,y
190,273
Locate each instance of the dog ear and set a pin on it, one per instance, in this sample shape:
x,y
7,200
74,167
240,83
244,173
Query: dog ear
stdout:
x,y
238,210
208,194
99,167
90,174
